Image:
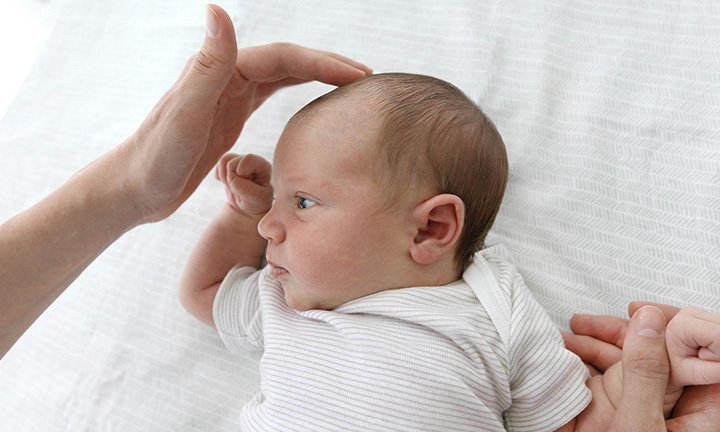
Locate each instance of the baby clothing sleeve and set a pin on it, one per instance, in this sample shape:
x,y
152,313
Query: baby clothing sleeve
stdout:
x,y
236,310
547,382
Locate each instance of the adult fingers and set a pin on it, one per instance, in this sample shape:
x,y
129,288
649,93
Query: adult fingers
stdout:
x,y
210,70
277,61
606,328
697,410
601,355
645,373
342,58
669,311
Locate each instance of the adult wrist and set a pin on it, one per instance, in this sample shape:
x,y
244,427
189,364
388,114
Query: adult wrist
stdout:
x,y
105,193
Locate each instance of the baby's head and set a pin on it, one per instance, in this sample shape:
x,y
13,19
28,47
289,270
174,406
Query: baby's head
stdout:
x,y
417,158
432,137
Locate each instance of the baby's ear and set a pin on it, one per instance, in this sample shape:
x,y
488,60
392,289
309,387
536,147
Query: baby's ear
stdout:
x,y
438,223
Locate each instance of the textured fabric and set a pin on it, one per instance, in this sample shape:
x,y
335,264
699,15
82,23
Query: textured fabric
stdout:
x,y
422,358
610,112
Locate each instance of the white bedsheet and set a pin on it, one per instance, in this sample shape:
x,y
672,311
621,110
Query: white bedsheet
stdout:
x,y
611,116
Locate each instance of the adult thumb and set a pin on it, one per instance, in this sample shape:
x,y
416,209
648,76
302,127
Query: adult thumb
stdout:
x,y
646,370
212,67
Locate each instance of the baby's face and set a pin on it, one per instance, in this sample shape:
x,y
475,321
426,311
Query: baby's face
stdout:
x,y
328,243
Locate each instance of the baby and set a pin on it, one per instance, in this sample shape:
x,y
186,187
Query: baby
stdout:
x,y
380,307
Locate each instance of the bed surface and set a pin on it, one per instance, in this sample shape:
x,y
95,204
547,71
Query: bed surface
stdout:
x,y
610,113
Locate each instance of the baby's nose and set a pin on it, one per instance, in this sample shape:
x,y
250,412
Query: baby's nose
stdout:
x,y
270,227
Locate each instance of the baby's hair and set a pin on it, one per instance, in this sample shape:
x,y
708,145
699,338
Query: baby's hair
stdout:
x,y
433,135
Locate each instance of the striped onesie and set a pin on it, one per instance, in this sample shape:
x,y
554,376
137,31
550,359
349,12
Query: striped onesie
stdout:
x,y
477,354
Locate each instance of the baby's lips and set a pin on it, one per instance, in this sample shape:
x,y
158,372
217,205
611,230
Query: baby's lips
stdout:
x,y
277,271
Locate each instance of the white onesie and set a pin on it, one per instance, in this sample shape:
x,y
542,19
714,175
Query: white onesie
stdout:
x,y
477,354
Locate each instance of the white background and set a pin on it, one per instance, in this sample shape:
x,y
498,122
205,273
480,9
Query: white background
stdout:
x,y
24,28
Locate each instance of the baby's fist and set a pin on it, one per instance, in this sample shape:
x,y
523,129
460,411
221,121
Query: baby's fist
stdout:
x,y
693,342
247,183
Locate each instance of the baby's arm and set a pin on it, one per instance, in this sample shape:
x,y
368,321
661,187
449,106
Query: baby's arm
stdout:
x,y
232,238
606,392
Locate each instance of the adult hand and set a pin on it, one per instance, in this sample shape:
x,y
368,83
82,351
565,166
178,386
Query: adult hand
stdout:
x,y
147,177
603,340
203,113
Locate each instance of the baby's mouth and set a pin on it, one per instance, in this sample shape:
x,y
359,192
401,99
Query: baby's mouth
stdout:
x,y
276,271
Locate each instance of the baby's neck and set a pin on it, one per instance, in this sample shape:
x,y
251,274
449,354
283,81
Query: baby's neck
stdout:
x,y
439,273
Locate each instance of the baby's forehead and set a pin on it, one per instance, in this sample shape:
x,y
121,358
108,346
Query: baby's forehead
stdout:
x,y
352,118
344,131
350,106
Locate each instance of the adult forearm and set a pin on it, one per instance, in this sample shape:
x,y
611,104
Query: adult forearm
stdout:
x,y
150,175
45,248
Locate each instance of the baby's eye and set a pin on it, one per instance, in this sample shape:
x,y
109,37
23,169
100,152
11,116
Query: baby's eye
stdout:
x,y
304,203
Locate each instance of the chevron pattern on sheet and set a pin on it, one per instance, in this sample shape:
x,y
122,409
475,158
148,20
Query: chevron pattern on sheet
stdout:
x,y
611,116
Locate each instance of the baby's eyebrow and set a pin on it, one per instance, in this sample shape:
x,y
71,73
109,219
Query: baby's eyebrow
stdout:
x,y
306,183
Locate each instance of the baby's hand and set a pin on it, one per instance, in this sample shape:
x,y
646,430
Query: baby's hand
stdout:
x,y
693,342
247,183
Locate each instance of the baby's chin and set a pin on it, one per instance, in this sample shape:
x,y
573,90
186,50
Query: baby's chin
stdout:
x,y
302,305
293,301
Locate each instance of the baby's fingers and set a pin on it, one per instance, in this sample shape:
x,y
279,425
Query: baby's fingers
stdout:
x,y
693,341
697,331
251,167
221,169
248,181
252,198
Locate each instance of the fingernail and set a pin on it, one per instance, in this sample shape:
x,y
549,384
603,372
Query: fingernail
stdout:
x,y
211,22
649,321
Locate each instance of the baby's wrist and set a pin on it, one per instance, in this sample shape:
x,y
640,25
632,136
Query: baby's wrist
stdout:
x,y
236,214
252,210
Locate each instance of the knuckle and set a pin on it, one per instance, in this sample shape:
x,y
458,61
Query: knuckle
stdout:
x,y
226,158
204,62
190,61
649,367
243,163
285,51
691,311
283,46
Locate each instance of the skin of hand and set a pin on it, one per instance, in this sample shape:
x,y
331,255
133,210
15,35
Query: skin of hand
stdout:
x,y
149,175
203,113
247,183
599,341
693,342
